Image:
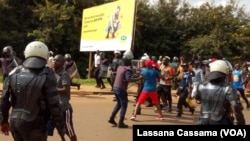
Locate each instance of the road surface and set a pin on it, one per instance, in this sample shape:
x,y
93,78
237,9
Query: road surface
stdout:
x,y
91,113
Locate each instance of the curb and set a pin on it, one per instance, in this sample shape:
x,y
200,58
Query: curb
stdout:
x,y
112,93
98,93
109,93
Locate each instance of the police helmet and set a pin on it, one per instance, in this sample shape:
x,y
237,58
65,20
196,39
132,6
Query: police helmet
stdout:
x,y
36,49
67,56
36,54
175,59
102,54
218,68
128,55
7,49
144,58
117,52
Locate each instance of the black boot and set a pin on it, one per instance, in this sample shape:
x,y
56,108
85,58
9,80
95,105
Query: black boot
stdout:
x,y
112,120
121,124
180,111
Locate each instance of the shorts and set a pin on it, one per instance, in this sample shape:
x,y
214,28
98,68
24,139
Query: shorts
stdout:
x,y
144,95
68,124
165,92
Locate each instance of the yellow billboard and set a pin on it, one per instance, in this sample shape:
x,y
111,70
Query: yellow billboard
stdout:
x,y
108,27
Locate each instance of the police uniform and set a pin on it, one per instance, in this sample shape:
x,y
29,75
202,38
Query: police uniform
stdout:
x,y
30,90
217,97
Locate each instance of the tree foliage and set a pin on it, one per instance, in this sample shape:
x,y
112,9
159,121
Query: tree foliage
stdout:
x,y
167,28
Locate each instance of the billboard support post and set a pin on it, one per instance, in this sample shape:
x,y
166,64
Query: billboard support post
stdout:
x,y
90,65
134,26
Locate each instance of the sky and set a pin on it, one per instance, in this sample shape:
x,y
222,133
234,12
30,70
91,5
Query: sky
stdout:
x,y
245,3
197,3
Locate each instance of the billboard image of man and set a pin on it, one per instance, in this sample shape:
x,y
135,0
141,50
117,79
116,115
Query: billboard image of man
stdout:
x,y
114,22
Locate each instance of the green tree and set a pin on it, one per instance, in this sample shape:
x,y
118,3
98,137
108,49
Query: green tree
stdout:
x,y
15,23
164,28
213,30
157,30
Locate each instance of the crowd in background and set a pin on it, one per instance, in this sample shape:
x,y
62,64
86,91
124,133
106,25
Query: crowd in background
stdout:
x,y
156,78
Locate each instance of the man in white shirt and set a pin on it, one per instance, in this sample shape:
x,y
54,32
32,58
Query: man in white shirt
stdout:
x,y
97,61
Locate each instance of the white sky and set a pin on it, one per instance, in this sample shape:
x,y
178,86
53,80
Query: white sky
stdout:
x,y
245,3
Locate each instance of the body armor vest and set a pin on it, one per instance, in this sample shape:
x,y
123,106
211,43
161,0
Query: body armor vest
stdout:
x,y
213,101
27,94
115,63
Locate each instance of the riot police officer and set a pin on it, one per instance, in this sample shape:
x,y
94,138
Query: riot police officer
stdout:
x,y
220,103
71,68
30,90
7,61
116,61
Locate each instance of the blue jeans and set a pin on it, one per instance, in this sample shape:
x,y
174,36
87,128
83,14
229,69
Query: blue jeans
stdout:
x,y
122,102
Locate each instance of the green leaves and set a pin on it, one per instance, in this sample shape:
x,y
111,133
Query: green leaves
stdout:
x,y
165,28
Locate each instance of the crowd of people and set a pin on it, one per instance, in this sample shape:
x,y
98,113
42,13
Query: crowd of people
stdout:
x,y
214,83
46,78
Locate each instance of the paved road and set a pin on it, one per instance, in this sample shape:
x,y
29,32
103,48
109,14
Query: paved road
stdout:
x,y
91,112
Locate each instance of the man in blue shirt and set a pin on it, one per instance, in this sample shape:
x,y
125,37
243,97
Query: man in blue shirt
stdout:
x,y
184,90
150,77
239,83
